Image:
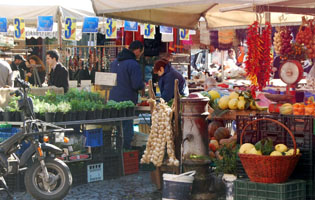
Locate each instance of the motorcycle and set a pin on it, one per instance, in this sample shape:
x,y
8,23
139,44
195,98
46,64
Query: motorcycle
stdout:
x,y
46,177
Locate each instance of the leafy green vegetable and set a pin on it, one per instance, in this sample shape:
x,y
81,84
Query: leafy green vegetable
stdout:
x,y
265,146
228,164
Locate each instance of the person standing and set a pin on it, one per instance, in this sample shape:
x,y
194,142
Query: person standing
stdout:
x,y
58,75
35,62
167,76
129,82
19,63
5,74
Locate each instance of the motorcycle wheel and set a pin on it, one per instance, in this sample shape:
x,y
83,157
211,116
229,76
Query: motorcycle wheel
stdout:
x,y
58,187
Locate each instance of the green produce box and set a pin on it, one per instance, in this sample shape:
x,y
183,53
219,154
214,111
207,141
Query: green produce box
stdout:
x,y
244,189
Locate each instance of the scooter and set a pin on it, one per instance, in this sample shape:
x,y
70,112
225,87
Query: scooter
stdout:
x,y
46,177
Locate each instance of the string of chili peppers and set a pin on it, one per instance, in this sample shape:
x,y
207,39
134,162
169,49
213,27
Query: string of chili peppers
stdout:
x,y
258,63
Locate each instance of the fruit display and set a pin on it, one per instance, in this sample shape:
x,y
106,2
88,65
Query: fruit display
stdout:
x,y
241,101
161,136
307,108
265,147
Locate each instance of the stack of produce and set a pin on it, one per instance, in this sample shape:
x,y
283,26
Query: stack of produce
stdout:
x,y
219,137
161,135
238,101
286,48
307,108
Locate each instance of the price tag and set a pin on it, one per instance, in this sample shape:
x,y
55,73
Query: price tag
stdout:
x,y
111,29
70,28
184,34
149,31
19,28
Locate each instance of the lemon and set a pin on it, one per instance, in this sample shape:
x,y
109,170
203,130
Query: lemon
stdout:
x,y
233,104
290,152
276,153
245,148
281,148
214,94
254,151
234,95
224,102
241,103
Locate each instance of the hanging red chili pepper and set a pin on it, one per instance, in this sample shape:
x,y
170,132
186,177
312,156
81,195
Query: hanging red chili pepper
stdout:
x,y
258,63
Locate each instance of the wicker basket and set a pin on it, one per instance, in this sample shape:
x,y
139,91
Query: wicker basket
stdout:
x,y
269,169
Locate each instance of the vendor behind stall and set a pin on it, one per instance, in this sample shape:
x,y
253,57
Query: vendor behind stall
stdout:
x,y
167,76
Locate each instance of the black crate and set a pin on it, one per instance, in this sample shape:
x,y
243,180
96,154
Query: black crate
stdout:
x,y
112,166
79,172
15,182
112,141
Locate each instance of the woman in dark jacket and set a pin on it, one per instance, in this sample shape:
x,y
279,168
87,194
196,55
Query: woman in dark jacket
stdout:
x,y
32,62
167,76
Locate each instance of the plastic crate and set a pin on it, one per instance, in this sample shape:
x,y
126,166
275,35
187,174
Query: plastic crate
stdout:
x,y
94,137
79,172
112,166
131,162
310,190
15,182
5,133
244,189
112,142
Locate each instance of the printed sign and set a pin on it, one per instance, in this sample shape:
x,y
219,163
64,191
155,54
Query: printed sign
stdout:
x,y
166,29
183,34
45,23
70,28
90,25
104,78
131,26
19,28
110,29
3,25
149,31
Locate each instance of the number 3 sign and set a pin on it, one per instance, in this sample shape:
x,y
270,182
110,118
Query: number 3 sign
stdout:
x,y
184,34
19,28
149,31
70,28
111,29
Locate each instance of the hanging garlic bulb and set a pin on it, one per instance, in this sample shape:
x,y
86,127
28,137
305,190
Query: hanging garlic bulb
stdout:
x,y
161,136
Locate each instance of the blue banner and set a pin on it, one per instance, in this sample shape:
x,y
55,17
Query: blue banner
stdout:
x,y
3,24
131,26
166,29
45,23
90,25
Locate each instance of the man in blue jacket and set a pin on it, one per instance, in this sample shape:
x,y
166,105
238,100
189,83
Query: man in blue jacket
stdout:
x,y
129,82
167,76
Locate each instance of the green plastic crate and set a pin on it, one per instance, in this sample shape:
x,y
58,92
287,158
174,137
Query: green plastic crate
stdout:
x,y
310,190
244,189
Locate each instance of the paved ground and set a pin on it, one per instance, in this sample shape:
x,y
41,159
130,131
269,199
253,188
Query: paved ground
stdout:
x,y
131,187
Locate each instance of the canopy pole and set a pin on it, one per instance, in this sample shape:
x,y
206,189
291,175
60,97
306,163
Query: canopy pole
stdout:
x,y
59,16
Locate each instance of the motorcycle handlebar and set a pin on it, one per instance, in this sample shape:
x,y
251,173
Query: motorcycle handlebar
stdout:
x,y
23,83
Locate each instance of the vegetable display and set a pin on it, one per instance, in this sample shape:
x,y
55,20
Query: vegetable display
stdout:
x,y
161,135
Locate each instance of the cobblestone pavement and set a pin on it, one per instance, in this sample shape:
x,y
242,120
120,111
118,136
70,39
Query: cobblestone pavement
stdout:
x,y
132,187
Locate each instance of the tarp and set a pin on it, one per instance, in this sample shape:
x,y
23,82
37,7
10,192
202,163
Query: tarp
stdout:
x,y
31,9
241,19
175,13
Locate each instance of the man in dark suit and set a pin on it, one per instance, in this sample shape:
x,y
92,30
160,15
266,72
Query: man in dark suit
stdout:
x,y
58,75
